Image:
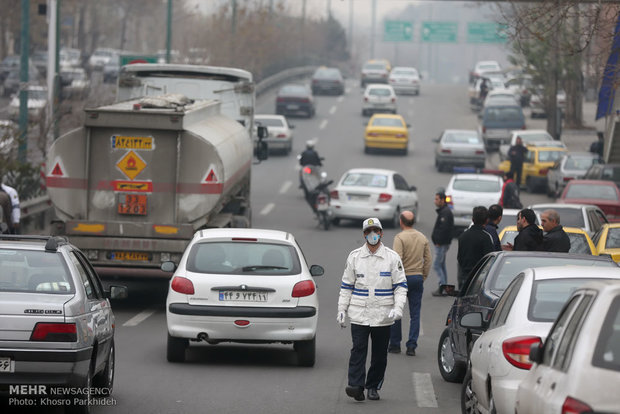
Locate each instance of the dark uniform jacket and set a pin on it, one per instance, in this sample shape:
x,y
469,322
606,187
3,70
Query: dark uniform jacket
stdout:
x,y
310,157
529,239
556,240
491,228
510,197
516,153
444,226
474,243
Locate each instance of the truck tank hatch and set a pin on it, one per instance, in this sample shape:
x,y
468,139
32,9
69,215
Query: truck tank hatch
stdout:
x,y
168,101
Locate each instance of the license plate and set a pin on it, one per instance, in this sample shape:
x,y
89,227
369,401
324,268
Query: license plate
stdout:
x,y
322,207
131,256
132,204
237,296
293,107
6,365
353,197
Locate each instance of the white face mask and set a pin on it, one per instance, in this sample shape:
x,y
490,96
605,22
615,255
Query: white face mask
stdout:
x,y
373,238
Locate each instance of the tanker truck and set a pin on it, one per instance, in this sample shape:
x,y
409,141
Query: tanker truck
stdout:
x,y
133,184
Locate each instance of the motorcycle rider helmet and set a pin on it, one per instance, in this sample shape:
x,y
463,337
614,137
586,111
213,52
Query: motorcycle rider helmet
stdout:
x,y
309,144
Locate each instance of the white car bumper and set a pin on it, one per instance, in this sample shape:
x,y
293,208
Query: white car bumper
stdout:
x,y
347,211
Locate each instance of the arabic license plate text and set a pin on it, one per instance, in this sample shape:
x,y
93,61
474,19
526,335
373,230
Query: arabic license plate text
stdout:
x,y
132,256
241,296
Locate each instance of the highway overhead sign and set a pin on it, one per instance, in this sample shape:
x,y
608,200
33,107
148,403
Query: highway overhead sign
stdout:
x,y
397,31
439,32
486,32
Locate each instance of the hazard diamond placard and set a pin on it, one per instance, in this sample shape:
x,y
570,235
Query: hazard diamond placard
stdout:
x,y
131,165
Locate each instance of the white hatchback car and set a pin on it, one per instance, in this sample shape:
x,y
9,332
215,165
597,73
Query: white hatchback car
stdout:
x,y
466,191
378,98
577,370
524,315
372,192
242,285
280,136
405,80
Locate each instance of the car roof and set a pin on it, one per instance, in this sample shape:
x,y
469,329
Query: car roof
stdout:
x,y
560,205
32,242
612,225
530,131
593,182
487,177
217,233
394,116
581,154
269,116
378,85
575,230
453,131
576,272
370,171
608,285
520,253
404,67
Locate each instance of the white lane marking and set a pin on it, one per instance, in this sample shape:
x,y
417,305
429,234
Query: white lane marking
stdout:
x,y
267,209
323,124
424,392
332,110
341,97
285,187
139,318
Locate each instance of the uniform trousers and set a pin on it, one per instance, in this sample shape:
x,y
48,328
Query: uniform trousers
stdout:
x,y
380,337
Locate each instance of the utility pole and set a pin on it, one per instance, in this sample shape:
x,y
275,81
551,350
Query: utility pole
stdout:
x,y
51,60
23,82
372,30
303,27
56,126
169,31
351,27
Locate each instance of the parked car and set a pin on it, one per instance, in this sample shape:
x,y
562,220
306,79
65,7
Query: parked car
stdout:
x,y
111,69
587,217
607,172
378,98
577,368
405,80
327,80
603,194
57,322
242,285
295,99
37,104
388,132
12,81
522,319
39,60
74,83
280,132
8,64
364,192
459,147
100,57
607,240
483,66
375,71
466,191
538,160
498,120
537,104
509,218
480,293
71,58
529,137
573,165
580,242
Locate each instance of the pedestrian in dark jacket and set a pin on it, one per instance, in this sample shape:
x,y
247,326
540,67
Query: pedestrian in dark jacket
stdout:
x,y
516,154
474,243
510,193
495,217
442,237
530,237
556,239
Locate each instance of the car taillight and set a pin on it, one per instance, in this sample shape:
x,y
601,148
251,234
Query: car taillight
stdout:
x,y
281,135
321,199
315,81
334,194
517,350
446,151
303,288
305,100
544,171
182,285
479,152
54,332
567,178
393,100
384,197
573,406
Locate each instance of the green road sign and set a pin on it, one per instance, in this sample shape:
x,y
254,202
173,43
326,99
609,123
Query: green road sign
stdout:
x,y
129,59
397,31
439,32
486,32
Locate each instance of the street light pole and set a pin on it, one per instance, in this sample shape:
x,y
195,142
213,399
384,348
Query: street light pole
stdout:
x,y
372,30
23,82
169,31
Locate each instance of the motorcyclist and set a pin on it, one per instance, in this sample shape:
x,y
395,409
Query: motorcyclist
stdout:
x,y
310,156
484,90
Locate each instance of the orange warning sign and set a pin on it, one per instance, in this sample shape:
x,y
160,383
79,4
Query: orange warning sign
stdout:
x,y
57,170
211,177
131,165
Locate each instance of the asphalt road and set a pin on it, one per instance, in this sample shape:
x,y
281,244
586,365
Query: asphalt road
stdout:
x,y
230,378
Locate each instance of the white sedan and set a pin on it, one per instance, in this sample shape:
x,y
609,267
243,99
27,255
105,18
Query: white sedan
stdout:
x,y
405,80
37,102
523,317
242,285
372,192
466,191
378,98
280,136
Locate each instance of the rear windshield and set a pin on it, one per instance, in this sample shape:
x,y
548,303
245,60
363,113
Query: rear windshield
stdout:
x,y
607,350
536,137
34,271
503,113
478,186
602,192
365,180
570,217
512,266
548,156
389,122
327,74
579,243
579,163
374,66
243,258
410,72
379,92
462,138
548,297
613,239
293,90
269,122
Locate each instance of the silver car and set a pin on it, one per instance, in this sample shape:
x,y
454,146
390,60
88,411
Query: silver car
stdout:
x,y
405,80
588,217
280,136
459,147
571,166
378,98
56,323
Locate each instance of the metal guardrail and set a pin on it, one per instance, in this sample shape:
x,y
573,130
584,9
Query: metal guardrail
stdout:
x,y
35,205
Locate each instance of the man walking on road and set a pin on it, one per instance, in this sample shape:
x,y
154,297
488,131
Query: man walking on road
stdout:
x,y
530,237
474,243
442,237
415,252
510,193
494,218
373,294
555,239
516,154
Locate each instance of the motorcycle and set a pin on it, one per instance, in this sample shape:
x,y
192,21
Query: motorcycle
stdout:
x,y
320,201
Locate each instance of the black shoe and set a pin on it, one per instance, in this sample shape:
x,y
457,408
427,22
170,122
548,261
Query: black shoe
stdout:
x,y
356,393
373,394
394,349
438,292
411,351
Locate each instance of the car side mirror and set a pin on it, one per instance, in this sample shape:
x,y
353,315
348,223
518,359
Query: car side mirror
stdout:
x,y
168,267
536,353
316,270
262,150
262,132
472,320
117,292
413,188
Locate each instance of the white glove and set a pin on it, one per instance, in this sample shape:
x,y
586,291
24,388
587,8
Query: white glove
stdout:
x,y
395,314
341,318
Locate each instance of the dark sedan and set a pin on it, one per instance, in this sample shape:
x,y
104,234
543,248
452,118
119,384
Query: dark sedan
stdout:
x,y
294,99
483,288
327,80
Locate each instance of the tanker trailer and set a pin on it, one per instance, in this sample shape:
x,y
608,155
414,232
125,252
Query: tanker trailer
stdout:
x,y
133,184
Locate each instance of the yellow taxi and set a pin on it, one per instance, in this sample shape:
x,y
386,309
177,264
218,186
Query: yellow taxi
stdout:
x,y
538,160
607,240
580,242
386,131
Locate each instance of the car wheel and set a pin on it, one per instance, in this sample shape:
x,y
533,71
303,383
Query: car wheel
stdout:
x,y
306,352
492,409
550,191
336,221
105,379
395,221
176,349
81,404
450,369
469,401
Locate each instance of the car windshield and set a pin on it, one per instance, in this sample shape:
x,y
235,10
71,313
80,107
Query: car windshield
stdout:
x,y
408,72
613,238
478,186
579,163
512,266
379,92
374,66
34,271
502,113
365,180
543,136
462,138
548,297
548,156
488,66
388,122
607,350
327,74
243,258
270,122
591,191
